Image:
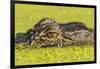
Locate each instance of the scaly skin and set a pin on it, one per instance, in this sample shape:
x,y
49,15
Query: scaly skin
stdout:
x,y
47,32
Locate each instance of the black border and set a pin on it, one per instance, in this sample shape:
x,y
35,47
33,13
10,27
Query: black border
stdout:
x,y
12,30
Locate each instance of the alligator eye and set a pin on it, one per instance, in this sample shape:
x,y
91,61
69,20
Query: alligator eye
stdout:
x,y
52,34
